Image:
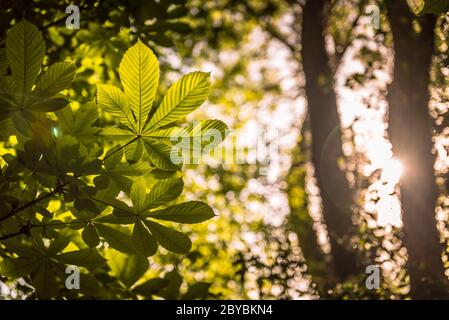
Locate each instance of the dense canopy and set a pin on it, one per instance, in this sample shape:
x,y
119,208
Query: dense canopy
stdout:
x,y
195,149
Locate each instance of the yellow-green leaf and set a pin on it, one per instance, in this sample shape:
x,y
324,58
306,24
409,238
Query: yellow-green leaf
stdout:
x,y
187,212
112,100
139,75
187,94
25,49
57,78
138,194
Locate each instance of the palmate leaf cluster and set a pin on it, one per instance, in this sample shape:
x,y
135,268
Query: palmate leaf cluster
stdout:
x,y
93,186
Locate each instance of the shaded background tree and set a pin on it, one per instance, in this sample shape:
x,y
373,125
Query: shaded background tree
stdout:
x,y
278,235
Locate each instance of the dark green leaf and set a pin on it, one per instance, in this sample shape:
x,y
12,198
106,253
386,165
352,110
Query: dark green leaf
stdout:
x,y
116,239
49,105
90,235
187,212
170,239
164,191
144,242
88,258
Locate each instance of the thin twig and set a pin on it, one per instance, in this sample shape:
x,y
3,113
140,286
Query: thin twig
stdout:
x,y
32,203
108,204
12,235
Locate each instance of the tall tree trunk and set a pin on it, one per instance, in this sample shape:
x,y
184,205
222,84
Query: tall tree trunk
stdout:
x,y
301,222
411,136
326,138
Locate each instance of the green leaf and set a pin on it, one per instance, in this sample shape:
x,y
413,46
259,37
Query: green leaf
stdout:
x,y
90,285
160,155
171,291
9,98
21,249
114,219
162,40
139,75
138,194
434,7
84,118
164,190
88,258
45,281
187,94
208,133
58,77
90,235
187,212
117,135
49,105
135,169
170,239
58,244
197,291
120,208
86,205
151,287
204,134
3,62
127,268
113,157
80,123
116,239
134,151
112,100
102,181
143,240
25,49
16,268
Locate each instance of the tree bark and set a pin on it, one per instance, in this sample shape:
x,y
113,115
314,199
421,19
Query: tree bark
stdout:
x,y
326,150
410,132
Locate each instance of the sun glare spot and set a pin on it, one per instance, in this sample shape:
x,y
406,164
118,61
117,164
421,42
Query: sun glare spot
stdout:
x,y
392,171
388,207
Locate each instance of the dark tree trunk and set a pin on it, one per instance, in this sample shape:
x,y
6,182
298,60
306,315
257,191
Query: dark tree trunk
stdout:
x,y
411,136
326,150
318,263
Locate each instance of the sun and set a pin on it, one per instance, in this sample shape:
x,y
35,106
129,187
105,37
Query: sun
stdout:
x,y
392,171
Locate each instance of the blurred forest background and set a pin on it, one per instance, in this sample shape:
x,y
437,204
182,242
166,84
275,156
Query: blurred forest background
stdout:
x,y
354,91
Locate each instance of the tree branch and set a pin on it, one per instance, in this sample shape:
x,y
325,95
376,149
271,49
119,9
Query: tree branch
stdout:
x,y
271,29
350,36
24,229
33,202
11,235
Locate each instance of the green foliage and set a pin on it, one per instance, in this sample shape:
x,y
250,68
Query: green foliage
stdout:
x,y
78,189
27,90
434,7
138,131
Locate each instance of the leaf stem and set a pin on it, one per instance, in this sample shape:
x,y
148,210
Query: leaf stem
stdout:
x,y
125,145
109,204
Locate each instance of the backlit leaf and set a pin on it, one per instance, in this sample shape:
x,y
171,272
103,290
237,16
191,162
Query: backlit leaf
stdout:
x,y
170,239
25,49
187,94
139,75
